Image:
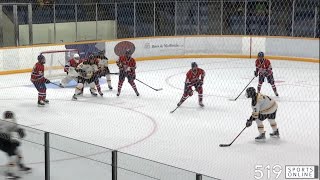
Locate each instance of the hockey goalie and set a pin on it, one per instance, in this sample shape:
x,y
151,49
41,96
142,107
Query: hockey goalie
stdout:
x,y
70,69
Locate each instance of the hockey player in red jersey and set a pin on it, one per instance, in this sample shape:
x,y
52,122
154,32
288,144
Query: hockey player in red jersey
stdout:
x,y
195,77
264,70
39,81
127,66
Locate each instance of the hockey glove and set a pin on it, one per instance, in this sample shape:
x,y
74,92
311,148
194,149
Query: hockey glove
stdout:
x,y
21,133
47,81
66,68
249,123
5,136
256,73
199,84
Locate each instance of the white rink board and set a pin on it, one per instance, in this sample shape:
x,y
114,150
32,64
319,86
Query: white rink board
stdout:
x,y
24,58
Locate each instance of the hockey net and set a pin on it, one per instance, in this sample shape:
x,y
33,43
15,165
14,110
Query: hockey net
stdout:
x,y
55,62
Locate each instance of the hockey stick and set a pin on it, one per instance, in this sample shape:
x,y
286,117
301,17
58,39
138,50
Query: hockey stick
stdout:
x,y
227,145
180,105
114,73
56,84
149,86
242,90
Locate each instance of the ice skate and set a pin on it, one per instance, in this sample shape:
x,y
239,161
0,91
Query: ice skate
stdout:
x,y
100,93
201,104
41,103
261,137
276,93
46,101
24,168
137,93
110,87
11,176
74,97
275,134
93,93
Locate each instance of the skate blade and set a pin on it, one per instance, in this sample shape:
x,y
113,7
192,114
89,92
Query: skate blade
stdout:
x,y
260,140
275,137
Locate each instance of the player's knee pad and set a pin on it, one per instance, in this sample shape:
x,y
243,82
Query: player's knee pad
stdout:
x,y
131,77
259,122
261,79
272,121
122,76
92,85
120,82
108,77
200,90
79,86
270,79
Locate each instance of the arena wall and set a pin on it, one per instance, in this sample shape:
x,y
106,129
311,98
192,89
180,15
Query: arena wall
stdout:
x,y
22,59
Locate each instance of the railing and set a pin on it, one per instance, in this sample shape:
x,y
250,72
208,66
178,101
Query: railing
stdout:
x,y
298,18
58,157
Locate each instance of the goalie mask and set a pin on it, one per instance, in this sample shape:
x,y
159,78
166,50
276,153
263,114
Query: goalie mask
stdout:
x,y
76,57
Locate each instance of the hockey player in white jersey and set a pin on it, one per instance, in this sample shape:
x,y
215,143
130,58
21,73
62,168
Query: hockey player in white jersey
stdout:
x,y
70,69
263,108
10,145
87,74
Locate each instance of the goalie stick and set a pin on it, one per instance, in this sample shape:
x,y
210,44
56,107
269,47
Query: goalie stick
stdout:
x,y
242,90
149,86
227,145
56,85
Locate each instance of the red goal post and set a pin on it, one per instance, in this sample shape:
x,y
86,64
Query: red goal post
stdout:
x,y
55,61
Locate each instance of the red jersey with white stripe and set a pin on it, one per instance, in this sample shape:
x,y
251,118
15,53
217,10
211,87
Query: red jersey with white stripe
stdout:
x,y
195,76
74,63
125,62
37,74
263,65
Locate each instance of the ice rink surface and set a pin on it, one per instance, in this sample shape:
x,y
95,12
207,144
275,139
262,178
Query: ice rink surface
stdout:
x,y
190,137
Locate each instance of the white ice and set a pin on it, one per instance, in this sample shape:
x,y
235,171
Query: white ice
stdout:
x,y
189,138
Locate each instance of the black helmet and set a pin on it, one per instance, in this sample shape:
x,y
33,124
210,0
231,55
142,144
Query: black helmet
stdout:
x,y
91,56
251,92
41,59
261,54
8,115
194,64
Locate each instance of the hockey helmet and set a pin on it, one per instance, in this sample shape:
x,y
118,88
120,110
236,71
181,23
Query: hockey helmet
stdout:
x,y
194,65
91,56
261,55
251,92
76,56
41,59
101,53
8,115
128,52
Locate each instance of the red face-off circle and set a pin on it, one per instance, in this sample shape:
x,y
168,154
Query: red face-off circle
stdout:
x,y
121,48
